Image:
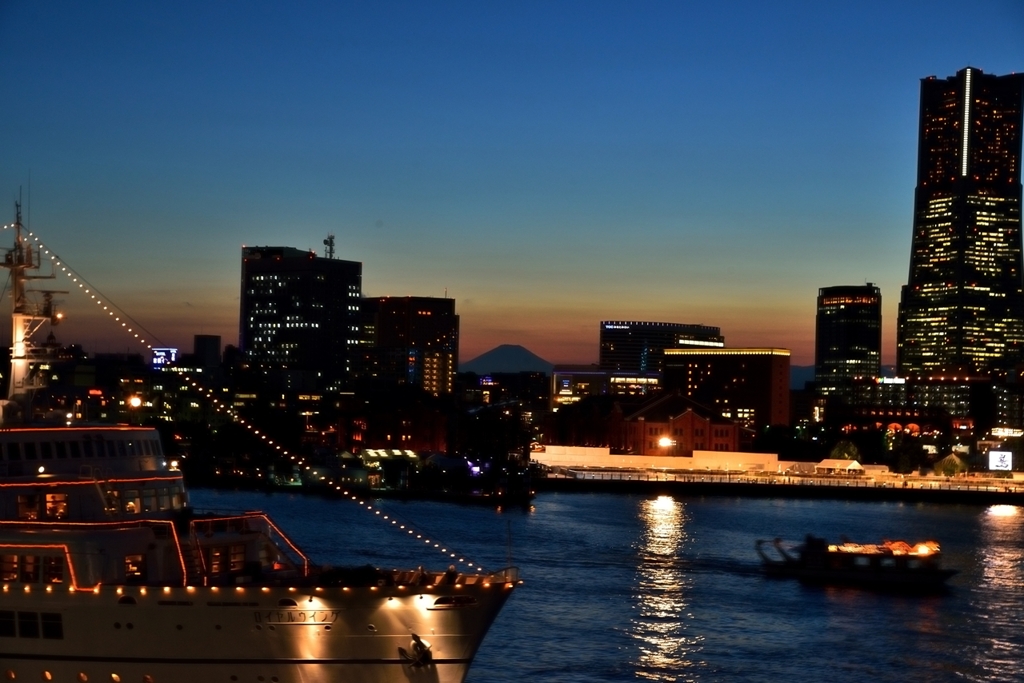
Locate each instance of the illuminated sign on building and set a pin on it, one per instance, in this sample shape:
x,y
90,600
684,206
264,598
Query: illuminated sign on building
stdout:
x,y
164,357
1000,460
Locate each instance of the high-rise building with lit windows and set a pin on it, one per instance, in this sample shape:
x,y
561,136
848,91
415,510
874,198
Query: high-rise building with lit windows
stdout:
x,y
962,309
412,340
630,346
299,317
848,337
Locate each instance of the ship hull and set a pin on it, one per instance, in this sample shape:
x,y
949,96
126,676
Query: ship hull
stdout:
x,y
279,635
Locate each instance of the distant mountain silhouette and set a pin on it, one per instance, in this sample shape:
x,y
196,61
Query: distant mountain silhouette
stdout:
x,y
507,358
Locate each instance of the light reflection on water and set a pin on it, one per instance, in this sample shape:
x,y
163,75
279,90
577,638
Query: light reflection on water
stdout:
x,y
1000,548
660,629
623,588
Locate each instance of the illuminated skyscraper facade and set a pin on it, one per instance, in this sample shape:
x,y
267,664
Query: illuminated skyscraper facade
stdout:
x,y
299,317
962,309
629,346
412,340
848,336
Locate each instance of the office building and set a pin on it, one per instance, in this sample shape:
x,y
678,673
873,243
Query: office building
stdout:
x,y
749,386
412,340
572,383
299,319
962,309
637,347
848,337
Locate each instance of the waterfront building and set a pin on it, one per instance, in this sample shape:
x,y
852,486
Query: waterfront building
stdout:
x,y
299,317
748,385
412,340
962,308
637,347
848,337
674,425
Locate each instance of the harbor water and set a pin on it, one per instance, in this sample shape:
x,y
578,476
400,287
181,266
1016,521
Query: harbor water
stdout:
x,y
625,587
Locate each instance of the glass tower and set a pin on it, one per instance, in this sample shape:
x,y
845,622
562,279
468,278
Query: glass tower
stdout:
x,y
848,336
962,309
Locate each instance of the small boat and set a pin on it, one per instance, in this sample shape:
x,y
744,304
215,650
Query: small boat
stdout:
x,y
889,565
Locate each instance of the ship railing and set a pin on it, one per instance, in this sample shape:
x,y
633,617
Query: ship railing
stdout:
x,y
508,575
249,523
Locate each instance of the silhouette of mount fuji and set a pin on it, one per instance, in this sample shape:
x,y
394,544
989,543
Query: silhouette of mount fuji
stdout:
x,y
507,358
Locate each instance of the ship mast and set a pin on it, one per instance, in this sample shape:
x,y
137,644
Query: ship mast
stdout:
x,y
26,318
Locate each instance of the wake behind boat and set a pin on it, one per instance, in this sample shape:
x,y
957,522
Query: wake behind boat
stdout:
x,y
889,565
108,574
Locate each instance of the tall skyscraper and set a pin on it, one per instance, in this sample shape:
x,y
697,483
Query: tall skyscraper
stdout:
x,y
412,340
299,319
962,309
848,337
639,346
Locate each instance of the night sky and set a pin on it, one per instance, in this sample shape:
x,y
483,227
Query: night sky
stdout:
x,y
548,164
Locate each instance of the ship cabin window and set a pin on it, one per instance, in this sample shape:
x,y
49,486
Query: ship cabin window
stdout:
x,y
8,628
111,449
29,569
53,569
145,445
177,498
46,450
112,502
28,624
28,506
861,561
8,567
87,448
76,450
56,505
163,499
100,446
226,559
120,449
237,555
53,625
14,451
134,568
30,450
132,503
62,450
148,500
155,445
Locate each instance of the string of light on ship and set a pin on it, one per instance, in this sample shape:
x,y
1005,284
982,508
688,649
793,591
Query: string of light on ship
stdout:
x,y
112,310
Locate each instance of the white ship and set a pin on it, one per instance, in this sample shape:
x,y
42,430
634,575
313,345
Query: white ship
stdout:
x,y
107,574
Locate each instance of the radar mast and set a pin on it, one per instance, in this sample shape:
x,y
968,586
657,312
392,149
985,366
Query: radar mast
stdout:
x,y
28,357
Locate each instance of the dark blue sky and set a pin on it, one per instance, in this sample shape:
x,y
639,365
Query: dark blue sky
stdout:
x,y
548,164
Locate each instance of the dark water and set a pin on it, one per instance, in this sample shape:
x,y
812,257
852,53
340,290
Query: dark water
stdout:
x,y
625,588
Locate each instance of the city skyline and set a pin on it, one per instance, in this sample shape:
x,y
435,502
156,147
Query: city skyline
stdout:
x,y
548,167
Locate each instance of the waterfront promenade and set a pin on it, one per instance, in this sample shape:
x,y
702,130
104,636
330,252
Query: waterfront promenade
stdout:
x,y
911,489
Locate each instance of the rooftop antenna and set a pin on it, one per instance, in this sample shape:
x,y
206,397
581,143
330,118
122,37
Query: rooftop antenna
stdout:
x,y
329,243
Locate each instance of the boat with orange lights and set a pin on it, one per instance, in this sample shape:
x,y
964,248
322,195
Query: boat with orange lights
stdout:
x,y
108,574
888,565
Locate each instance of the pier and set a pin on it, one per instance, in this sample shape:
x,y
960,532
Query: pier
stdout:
x,y
896,488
